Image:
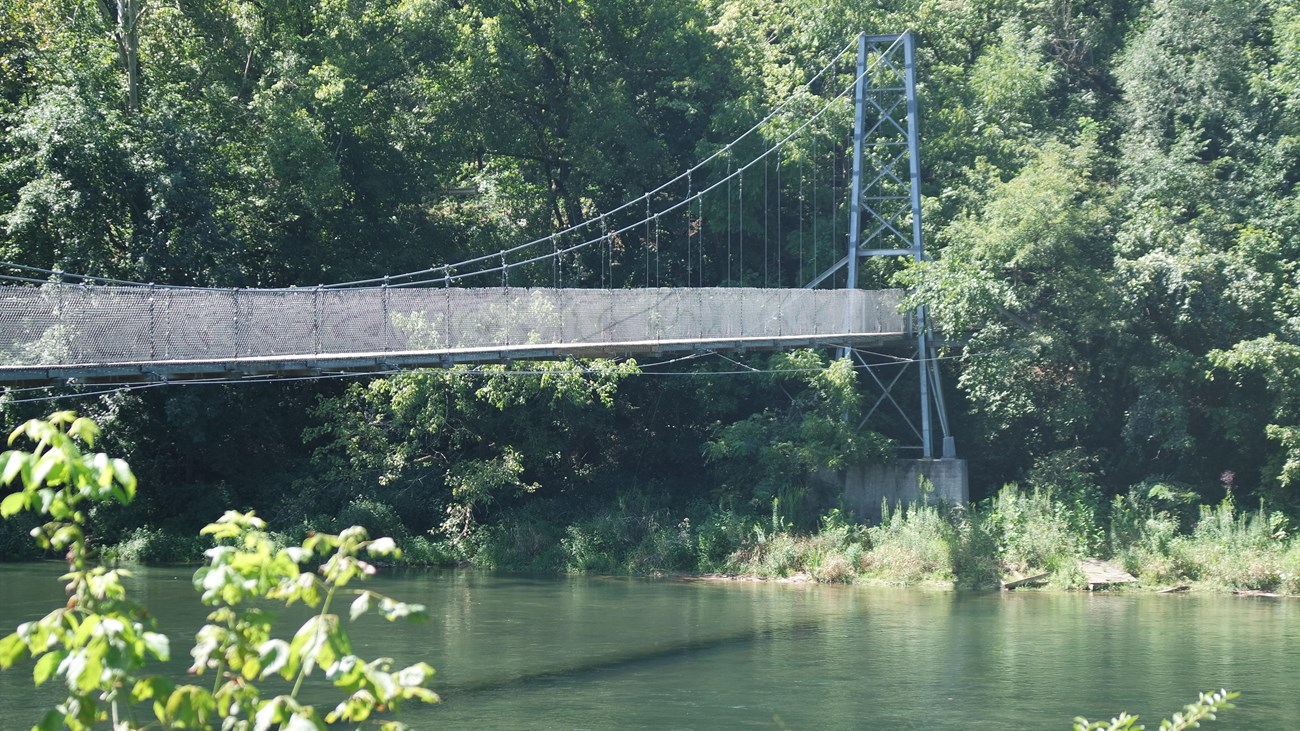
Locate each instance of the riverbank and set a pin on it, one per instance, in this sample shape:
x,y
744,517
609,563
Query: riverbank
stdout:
x,y
1162,541
1164,544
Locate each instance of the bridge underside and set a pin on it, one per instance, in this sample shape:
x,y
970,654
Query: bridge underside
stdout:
x,y
289,365
59,334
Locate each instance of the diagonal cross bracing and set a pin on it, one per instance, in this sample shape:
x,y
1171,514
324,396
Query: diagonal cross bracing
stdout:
x,y
887,201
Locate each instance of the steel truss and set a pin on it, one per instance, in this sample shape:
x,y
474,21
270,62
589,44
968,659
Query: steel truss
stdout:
x,y
885,210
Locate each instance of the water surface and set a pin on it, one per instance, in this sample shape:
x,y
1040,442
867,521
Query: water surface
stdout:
x,y
597,653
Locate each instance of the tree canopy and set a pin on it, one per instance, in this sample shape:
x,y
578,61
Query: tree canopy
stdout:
x,y
1110,198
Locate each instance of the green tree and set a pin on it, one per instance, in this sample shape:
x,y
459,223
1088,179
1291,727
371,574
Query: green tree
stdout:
x,y
777,452
453,444
1026,281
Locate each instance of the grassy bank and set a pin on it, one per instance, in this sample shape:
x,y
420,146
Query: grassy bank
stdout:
x,y
1154,533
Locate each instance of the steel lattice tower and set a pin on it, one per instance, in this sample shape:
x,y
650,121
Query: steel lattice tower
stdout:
x,y
885,203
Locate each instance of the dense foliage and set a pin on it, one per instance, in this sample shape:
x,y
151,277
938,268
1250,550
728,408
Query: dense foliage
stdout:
x,y
1110,197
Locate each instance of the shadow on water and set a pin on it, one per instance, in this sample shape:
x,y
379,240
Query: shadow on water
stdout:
x,y
630,659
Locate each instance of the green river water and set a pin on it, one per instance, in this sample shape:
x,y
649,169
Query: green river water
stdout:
x,y
610,653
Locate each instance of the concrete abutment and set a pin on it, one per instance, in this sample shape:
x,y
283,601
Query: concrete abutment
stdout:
x,y
864,487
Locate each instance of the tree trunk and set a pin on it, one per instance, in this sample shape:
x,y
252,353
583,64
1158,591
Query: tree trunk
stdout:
x,y
124,28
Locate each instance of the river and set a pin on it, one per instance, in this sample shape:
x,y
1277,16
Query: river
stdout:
x,y
516,652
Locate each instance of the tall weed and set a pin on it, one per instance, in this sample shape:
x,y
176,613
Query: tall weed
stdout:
x,y
975,562
913,543
1232,549
1036,533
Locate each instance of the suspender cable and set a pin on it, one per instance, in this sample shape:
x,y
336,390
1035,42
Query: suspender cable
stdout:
x,y
646,245
728,216
802,202
700,248
780,232
600,253
740,238
814,201
688,231
657,250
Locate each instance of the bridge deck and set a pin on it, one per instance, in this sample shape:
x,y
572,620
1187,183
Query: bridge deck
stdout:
x,y
56,333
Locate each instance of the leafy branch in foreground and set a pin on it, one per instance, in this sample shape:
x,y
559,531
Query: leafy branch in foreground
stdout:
x,y
1203,709
100,642
238,646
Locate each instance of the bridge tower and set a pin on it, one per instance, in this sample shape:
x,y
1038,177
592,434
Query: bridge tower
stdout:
x,y
885,211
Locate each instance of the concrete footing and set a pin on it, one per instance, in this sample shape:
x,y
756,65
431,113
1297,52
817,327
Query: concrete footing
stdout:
x,y
899,481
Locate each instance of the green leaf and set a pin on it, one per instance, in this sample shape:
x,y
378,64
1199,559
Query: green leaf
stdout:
x,y
65,535
14,462
220,530
125,478
188,706
84,429
51,721
44,465
360,605
158,644
46,666
271,712
381,547
299,722
12,649
415,675
393,610
12,504
152,687
18,431
103,473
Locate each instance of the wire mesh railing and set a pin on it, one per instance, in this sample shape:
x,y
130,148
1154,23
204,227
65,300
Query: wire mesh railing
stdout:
x,y
61,325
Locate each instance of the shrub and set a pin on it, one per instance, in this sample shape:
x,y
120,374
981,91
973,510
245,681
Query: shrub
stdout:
x,y
1289,570
376,516
420,551
589,546
779,555
1141,536
974,549
1235,550
912,543
1036,533
155,546
528,537
665,546
719,540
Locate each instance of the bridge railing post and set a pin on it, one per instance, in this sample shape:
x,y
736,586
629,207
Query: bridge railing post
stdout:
x,y
153,321
386,324
234,304
315,324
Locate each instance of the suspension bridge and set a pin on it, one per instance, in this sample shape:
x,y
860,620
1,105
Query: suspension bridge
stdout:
x,y
759,246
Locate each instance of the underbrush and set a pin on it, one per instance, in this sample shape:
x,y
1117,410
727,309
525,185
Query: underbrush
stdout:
x,y
1151,533
155,546
1154,532
162,546
913,543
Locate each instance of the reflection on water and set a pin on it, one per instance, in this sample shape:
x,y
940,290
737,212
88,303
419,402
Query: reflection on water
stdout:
x,y
590,652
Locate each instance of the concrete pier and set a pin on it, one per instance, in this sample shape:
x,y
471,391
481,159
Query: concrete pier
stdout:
x,y
899,481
